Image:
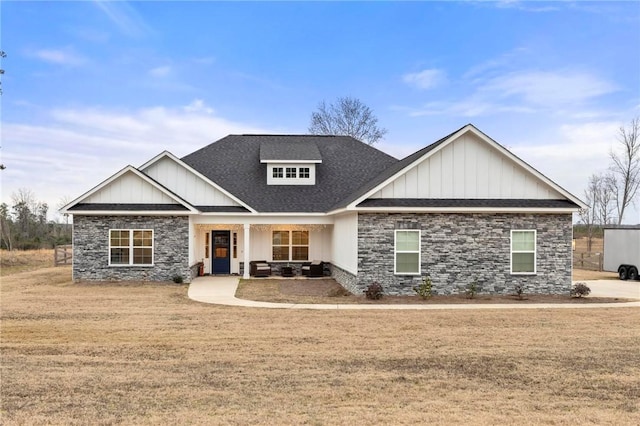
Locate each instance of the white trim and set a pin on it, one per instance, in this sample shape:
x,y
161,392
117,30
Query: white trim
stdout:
x,y
144,177
535,252
198,174
472,129
396,251
549,210
131,248
130,213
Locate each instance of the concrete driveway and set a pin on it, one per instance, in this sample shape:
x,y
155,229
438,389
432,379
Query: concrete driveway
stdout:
x,y
613,288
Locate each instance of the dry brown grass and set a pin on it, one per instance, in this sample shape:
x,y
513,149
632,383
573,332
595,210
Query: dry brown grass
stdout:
x,y
145,354
12,262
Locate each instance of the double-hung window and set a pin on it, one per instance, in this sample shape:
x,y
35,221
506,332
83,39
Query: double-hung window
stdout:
x,y
523,251
130,247
290,245
407,252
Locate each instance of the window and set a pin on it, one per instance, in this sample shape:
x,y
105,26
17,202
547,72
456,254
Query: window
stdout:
x,y
277,172
407,252
291,172
523,252
131,247
303,172
290,245
235,245
206,245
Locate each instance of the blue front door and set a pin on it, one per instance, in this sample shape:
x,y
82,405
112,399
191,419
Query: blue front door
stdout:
x,y
220,256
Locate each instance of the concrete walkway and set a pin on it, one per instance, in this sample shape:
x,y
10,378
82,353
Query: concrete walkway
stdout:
x,y
221,291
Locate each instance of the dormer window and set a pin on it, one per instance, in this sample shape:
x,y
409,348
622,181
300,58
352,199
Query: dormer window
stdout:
x,y
290,162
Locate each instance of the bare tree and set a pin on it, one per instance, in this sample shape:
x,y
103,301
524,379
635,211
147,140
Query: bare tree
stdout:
x,y
346,117
626,167
588,216
605,204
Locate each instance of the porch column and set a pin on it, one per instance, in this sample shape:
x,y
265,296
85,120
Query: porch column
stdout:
x,y
247,229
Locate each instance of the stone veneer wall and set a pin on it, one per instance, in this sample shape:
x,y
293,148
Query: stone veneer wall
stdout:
x,y
91,248
346,279
458,248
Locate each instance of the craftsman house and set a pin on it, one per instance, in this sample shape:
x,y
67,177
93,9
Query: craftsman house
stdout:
x,y
463,209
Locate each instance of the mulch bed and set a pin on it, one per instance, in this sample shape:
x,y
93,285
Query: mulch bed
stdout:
x,y
330,292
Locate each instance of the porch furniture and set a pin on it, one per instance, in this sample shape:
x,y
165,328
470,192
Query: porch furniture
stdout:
x,y
286,271
313,269
259,268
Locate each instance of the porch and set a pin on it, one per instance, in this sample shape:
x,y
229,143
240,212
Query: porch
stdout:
x,y
229,248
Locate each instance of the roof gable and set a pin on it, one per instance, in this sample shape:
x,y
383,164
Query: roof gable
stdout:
x,y
129,187
466,164
188,183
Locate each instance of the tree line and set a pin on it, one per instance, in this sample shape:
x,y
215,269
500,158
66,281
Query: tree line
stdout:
x,y
609,193
24,224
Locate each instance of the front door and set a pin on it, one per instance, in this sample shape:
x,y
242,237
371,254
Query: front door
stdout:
x,y
220,263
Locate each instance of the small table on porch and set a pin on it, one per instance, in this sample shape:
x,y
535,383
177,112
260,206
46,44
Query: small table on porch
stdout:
x,y
286,271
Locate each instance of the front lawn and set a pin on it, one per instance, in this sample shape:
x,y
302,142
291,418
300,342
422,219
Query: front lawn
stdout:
x,y
145,354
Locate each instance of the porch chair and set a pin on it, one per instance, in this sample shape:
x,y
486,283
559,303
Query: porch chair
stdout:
x,y
259,268
313,269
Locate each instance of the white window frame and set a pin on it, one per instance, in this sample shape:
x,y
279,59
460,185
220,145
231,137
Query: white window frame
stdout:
x,y
131,248
278,173
396,251
535,252
304,172
291,245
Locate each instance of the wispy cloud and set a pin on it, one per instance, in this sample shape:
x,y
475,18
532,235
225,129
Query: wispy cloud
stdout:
x,y
493,90
548,88
125,17
61,56
78,147
425,79
159,72
528,6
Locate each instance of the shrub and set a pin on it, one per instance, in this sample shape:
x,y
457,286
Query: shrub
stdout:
x,y
374,291
472,289
178,279
579,290
519,291
424,289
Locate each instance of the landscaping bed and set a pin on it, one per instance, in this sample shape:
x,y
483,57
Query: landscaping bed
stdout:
x,y
328,291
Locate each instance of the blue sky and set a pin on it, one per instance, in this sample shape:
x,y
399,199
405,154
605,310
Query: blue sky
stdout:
x,y
91,87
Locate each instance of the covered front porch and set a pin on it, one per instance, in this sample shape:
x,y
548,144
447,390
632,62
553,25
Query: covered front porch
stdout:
x,y
231,246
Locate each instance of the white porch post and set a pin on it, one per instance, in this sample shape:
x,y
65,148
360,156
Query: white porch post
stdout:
x,y
247,239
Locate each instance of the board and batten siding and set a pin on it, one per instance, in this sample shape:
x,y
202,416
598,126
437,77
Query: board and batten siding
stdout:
x,y
186,184
129,188
468,167
345,242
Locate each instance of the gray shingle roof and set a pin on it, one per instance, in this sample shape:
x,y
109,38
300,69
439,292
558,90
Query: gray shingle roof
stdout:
x,y
233,163
469,202
285,149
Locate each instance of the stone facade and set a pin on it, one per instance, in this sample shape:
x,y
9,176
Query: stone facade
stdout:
x,y
346,279
91,248
458,249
